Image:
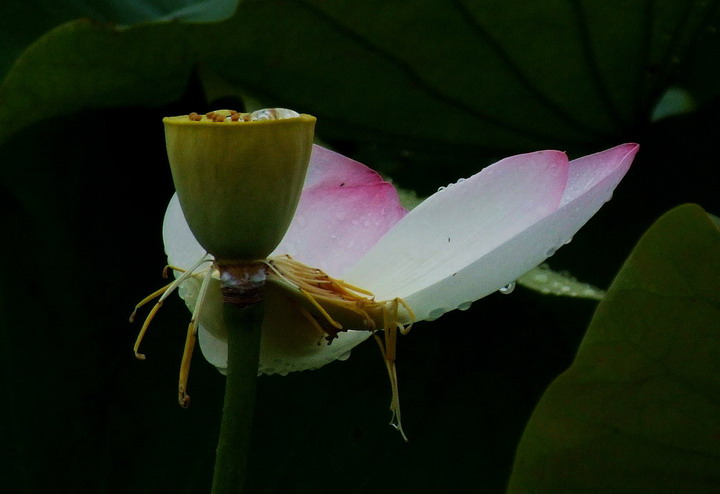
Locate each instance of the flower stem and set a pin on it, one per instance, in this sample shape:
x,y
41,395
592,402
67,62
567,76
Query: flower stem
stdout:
x,y
233,450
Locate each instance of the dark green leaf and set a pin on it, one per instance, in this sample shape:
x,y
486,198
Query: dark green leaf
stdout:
x,y
639,409
492,74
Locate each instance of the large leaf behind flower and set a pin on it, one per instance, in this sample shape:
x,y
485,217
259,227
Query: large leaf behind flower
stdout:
x,y
495,75
639,409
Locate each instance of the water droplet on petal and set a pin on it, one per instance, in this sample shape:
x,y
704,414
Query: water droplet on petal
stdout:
x,y
273,114
465,305
461,180
435,313
344,356
568,240
507,289
440,189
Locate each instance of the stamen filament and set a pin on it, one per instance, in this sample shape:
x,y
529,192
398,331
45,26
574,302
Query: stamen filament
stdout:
x,y
170,267
325,293
311,320
147,299
190,339
163,293
320,308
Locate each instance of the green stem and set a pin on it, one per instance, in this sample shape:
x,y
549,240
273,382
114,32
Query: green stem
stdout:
x,y
233,447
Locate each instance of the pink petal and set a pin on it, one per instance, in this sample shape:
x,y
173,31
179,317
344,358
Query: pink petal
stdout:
x,y
455,227
506,257
345,208
588,172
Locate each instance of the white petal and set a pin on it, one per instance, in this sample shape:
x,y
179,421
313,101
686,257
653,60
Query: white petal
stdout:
x,y
425,257
590,184
289,342
180,245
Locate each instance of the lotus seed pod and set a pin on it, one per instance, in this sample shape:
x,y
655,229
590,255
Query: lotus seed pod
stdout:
x,y
239,177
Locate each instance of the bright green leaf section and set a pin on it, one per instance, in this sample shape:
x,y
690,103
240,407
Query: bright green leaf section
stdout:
x,y
544,280
639,409
457,73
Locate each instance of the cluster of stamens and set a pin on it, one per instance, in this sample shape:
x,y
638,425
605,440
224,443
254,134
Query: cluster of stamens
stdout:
x,y
326,295
324,301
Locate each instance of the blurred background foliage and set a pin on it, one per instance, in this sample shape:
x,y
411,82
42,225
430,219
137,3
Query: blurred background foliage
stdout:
x,y
425,93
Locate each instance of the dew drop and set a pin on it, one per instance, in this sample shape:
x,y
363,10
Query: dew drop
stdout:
x,y
435,313
188,290
344,356
273,114
507,289
465,305
568,240
460,180
440,189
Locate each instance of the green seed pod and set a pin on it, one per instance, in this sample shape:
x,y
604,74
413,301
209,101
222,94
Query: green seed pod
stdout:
x,y
239,177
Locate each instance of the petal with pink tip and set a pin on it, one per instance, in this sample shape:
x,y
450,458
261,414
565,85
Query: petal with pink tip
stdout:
x,y
344,209
590,185
586,173
455,227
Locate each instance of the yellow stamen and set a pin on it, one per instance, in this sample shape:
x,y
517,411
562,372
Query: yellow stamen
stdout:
x,y
335,301
190,339
170,267
322,311
163,293
147,299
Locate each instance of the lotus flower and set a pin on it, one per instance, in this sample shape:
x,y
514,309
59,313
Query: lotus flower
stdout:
x,y
464,242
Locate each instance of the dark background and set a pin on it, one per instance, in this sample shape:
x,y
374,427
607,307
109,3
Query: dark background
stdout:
x,y
84,183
